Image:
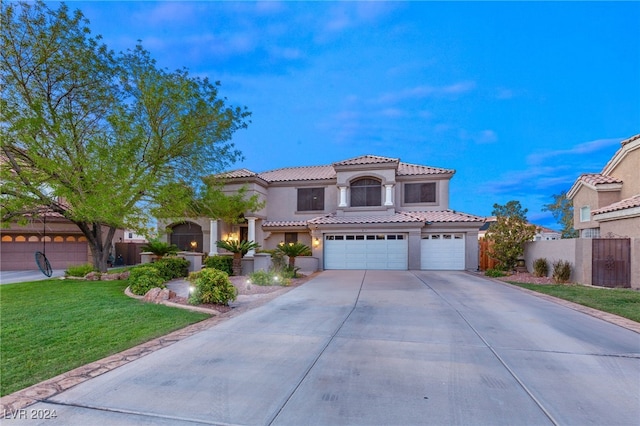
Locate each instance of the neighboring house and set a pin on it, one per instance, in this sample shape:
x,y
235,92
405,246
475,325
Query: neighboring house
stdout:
x,y
606,209
608,203
367,212
542,233
60,238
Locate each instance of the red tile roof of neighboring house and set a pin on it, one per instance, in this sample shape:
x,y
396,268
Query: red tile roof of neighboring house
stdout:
x,y
598,179
631,139
627,203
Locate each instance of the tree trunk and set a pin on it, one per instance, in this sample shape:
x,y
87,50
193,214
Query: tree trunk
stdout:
x,y
236,266
292,262
99,243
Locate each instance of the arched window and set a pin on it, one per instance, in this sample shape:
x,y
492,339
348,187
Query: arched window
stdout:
x,y
366,192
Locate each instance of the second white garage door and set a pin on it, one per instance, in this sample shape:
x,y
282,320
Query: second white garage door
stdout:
x,y
370,251
442,252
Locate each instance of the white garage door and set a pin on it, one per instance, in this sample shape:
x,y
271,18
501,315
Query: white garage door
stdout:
x,y
369,251
442,252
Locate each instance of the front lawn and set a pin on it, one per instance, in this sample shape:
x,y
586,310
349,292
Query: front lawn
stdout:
x,y
53,326
617,301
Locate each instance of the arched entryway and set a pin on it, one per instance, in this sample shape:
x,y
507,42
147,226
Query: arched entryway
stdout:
x,y
185,234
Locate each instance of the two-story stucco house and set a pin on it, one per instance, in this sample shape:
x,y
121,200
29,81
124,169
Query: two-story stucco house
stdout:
x,y
368,212
608,203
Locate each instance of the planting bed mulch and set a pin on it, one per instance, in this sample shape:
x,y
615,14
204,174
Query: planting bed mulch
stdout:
x,y
526,277
249,295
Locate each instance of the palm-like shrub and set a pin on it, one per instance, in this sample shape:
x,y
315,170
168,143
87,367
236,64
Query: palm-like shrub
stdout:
x,y
160,248
239,249
293,250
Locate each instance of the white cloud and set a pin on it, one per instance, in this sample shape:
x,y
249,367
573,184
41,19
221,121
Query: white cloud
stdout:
x,y
426,91
577,150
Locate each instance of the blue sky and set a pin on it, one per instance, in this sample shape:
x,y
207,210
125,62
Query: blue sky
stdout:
x,y
519,98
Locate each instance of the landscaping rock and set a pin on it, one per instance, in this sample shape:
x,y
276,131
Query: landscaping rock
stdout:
x,y
158,295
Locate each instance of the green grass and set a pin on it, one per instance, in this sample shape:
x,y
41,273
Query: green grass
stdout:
x,y
617,301
53,326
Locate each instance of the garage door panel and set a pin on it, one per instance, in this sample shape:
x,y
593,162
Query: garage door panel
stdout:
x,y
21,255
365,252
442,252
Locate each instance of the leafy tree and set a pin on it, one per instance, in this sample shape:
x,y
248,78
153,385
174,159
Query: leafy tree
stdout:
x,y
509,233
562,211
239,249
214,203
107,141
294,250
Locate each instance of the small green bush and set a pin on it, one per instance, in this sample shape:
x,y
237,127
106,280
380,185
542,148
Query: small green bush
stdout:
x,y
495,273
171,267
211,286
79,270
263,278
540,267
561,271
144,278
221,263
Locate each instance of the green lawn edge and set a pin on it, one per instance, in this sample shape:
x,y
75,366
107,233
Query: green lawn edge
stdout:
x,y
52,326
618,301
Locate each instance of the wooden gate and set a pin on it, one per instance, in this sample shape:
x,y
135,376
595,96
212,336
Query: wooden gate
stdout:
x,y
611,262
128,253
485,261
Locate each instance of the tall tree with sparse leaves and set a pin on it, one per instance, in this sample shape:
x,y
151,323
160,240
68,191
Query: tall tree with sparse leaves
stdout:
x,y
107,141
562,211
509,233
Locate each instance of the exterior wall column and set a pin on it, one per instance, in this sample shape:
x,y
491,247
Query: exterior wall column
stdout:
x,y
388,195
251,234
213,237
343,196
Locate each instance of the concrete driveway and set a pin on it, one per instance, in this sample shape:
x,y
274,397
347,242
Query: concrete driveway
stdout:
x,y
377,348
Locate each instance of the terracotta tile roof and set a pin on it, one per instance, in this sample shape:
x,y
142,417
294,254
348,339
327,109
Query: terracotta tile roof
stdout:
x,y
328,172
240,173
366,159
597,179
631,139
333,219
299,173
399,217
445,216
405,169
627,203
283,223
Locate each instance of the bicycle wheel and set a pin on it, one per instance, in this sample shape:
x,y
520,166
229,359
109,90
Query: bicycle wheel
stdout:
x,y
43,264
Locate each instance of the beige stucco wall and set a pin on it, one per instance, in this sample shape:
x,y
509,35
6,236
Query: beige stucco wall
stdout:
x,y
584,197
629,227
576,251
628,171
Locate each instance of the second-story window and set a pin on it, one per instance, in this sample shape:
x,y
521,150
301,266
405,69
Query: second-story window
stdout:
x,y
420,192
310,199
366,192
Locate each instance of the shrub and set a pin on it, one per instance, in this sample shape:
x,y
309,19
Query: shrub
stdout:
x,y
221,263
263,278
79,270
540,267
495,273
561,271
144,278
171,267
211,286
160,248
